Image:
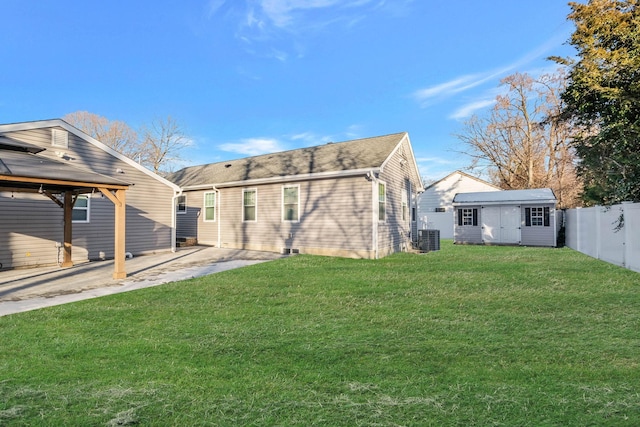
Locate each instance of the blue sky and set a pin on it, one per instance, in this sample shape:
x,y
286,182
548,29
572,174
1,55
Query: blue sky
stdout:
x,y
246,77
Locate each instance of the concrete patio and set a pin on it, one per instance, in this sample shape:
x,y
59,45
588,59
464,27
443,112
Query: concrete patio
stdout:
x,y
29,289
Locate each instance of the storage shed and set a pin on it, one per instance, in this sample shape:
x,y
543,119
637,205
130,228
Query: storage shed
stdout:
x,y
435,204
510,217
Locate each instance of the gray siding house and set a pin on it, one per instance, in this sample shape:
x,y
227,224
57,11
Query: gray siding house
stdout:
x,y
350,199
31,223
509,217
435,204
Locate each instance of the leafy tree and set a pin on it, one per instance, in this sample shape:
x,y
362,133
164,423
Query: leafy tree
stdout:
x,y
113,133
520,142
603,98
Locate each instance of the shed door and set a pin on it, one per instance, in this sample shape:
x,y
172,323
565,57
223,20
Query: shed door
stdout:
x,y
490,218
501,224
510,224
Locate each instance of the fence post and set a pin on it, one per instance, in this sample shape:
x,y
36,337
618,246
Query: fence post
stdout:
x,y
598,212
577,229
626,253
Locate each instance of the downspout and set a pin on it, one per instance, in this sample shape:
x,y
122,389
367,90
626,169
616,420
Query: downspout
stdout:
x,y
374,213
218,213
174,220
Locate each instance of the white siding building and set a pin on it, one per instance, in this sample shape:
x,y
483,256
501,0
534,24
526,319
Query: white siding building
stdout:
x,y
435,205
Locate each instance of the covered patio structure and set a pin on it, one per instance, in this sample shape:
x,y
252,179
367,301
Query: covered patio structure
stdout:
x,y
23,170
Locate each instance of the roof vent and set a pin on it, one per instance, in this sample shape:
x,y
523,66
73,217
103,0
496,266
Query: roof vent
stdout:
x,y
59,138
228,165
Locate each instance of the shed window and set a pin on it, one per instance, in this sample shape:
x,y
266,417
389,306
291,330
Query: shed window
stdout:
x,y
181,204
468,216
210,206
537,217
80,211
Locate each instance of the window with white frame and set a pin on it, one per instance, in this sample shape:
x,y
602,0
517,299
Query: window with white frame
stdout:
x,y
181,204
290,203
537,217
405,208
468,216
249,204
210,206
80,211
382,201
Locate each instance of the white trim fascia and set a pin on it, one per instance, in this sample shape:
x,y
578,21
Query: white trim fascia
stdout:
x,y
15,127
507,202
404,138
283,179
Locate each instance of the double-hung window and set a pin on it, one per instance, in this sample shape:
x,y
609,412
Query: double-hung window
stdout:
x,y
181,204
290,203
210,206
382,201
80,211
249,204
405,208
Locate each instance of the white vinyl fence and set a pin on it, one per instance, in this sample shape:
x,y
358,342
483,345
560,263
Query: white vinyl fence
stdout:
x,y
598,232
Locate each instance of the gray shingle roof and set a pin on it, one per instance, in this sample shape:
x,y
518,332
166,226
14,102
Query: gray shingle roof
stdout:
x,y
359,154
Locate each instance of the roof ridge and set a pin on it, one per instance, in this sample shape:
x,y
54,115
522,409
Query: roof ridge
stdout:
x,y
290,150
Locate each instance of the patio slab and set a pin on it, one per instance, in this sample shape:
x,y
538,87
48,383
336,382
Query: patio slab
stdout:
x,y
29,289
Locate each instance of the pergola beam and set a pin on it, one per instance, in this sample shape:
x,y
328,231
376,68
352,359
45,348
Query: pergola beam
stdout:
x,y
70,189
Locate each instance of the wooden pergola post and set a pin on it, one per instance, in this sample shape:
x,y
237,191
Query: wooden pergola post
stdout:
x,y
119,200
68,231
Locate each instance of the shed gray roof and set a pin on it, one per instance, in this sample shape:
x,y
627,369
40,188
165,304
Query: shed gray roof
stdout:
x,y
537,195
359,154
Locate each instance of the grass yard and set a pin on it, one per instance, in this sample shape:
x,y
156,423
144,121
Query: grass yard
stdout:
x,y
467,336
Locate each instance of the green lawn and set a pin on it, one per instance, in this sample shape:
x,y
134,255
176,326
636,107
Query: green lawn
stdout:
x,y
469,335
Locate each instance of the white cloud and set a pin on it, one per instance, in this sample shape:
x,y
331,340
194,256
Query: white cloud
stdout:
x,y
281,12
277,28
253,146
463,83
467,110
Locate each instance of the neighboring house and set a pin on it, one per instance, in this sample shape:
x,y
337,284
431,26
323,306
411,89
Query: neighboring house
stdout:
x,y
31,222
510,217
350,199
435,204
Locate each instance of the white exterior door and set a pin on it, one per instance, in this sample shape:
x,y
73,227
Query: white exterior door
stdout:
x,y
490,218
501,224
510,224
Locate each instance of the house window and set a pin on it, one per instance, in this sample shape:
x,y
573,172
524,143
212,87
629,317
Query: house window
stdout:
x,y
210,206
249,198
413,214
468,216
181,204
441,209
537,217
404,206
382,200
290,203
80,211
